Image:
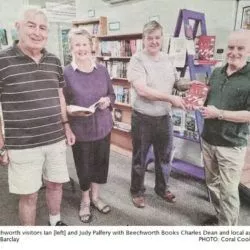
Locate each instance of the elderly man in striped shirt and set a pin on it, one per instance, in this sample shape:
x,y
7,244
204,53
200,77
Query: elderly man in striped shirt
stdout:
x,y
35,119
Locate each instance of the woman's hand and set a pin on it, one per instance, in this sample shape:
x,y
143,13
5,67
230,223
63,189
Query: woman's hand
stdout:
x,y
104,103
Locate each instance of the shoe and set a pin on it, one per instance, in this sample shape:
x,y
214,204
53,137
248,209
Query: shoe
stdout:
x,y
167,196
59,223
139,201
84,213
212,221
101,206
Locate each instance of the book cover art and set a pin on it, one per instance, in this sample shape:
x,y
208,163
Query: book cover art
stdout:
x,y
178,118
196,95
178,51
204,50
190,121
118,115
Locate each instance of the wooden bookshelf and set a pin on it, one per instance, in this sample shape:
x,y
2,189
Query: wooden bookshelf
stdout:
x,y
123,104
100,21
120,48
120,36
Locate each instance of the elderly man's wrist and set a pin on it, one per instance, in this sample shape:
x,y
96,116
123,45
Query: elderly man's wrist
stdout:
x,y
221,114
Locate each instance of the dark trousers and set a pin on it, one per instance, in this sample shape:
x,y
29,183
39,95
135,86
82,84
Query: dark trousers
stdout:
x,y
92,161
146,131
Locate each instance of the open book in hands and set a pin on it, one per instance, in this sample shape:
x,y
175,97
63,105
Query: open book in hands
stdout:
x,y
196,95
75,110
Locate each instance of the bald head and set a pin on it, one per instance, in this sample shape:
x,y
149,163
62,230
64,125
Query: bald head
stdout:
x,y
238,48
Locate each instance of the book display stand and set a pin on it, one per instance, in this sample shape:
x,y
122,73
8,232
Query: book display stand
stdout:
x,y
185,18
190,32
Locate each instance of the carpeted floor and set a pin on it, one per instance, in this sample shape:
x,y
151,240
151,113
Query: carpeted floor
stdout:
x,y
192,206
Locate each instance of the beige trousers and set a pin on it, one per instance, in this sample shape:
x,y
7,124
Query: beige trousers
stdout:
x,y
223,166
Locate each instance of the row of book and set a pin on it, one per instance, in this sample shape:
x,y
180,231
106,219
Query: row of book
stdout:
x,y
116,69
120,48
122,94
184,124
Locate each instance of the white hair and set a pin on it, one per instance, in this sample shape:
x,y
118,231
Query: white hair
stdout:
x,y
31,9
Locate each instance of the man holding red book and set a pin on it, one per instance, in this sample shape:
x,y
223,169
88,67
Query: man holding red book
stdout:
x,y
226,130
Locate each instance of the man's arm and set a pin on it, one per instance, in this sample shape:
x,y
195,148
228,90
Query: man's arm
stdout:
x,y
154,95
137,76
68,133
4,159
1,134
211,112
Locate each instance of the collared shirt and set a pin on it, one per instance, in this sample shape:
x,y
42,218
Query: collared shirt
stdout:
x,y
30,100
75,66
84,89
228,93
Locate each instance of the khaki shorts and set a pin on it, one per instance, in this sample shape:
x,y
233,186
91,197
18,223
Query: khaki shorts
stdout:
x,y
27,166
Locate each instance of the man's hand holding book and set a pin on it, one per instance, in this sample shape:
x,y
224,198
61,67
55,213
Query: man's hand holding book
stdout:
x,y
196,95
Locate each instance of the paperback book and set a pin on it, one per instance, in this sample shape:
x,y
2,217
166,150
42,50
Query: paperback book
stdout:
x,y
204,50
178,117
82,111
117,115
196,95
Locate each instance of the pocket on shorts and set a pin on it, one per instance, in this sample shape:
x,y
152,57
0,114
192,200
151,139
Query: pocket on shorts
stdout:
x,y
23,156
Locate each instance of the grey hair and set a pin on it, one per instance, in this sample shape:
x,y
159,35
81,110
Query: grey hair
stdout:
x,y
79,32
34,10
150,27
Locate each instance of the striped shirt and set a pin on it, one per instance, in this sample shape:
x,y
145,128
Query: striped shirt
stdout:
x,y
30,99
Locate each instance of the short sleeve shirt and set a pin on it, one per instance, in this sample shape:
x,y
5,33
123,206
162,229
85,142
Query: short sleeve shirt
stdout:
x,y
157,74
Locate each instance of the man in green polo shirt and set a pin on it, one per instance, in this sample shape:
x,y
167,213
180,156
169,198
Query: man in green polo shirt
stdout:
x,y
226,130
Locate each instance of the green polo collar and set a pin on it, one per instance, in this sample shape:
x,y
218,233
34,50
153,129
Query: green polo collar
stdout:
x,y
243,70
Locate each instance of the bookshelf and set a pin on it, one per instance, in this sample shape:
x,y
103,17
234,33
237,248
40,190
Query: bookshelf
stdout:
x,y
114,52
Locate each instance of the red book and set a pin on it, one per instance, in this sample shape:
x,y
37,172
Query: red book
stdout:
x,y
196,95
204,50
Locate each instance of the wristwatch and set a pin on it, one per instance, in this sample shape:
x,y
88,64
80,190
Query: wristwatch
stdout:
x,y
221,115
2,151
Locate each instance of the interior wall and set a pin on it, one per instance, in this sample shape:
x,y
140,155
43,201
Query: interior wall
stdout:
x,y
220,14
242,4
9,10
